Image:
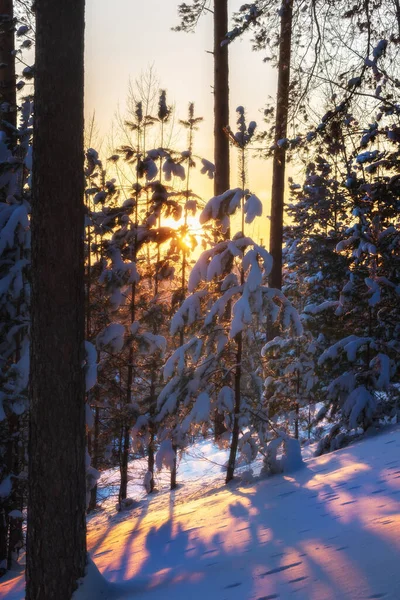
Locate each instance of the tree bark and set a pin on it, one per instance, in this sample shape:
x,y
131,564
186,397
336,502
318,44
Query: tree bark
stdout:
x,y
221,98
221,120
8,93
279,160
56,544
235,429
94,454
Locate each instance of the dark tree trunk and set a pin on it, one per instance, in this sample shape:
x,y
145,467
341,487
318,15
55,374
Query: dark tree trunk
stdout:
x,y
235,430
3,541
8,98
219,425
125,439
14,465
174,484
56,544
221,98
152,427
221,120
279,160
151,457
123,465
94,454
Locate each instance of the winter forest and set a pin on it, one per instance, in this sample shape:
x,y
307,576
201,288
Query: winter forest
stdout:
x,y
200,351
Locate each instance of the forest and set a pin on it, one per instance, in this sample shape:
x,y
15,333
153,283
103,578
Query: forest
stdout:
x,y
150,332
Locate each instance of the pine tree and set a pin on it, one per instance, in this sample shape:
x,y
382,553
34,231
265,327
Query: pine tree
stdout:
x,y
207,372
14,345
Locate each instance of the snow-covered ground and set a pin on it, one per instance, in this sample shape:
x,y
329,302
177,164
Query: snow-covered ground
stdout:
x,y
330,531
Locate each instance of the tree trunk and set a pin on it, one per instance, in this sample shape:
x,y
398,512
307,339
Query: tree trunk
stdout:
x,y
95,455
174,484
56,544
221,98
123,465
235,430
151,457
3,541
8,95
279,160
15,502
221,120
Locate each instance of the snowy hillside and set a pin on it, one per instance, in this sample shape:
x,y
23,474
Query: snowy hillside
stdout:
x,y
328,532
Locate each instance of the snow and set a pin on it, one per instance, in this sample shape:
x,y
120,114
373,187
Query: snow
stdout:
x,y
165,455
350,344
329,531
381,362
2,413
358,401
208,168
93,585
200,412
111,337
5,487
90,366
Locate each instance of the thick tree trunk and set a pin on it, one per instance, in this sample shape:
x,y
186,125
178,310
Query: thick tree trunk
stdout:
x,y
279,160
8,98
221,98
221,120
56,544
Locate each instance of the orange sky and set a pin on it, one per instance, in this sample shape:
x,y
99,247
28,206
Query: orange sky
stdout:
x,y
124,39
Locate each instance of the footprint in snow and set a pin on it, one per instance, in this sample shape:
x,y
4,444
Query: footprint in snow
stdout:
x,y
270,597
233,585
279,569
298,579
101,553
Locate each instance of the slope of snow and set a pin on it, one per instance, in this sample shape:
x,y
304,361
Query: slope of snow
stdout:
x,y
328,532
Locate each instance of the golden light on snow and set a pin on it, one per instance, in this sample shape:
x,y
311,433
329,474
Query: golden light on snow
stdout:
x,y
329,531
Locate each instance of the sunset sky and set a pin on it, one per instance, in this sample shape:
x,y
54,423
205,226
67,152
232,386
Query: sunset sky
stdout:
x,y
125,37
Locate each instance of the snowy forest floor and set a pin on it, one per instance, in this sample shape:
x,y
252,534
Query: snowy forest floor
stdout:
x,y
330,531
